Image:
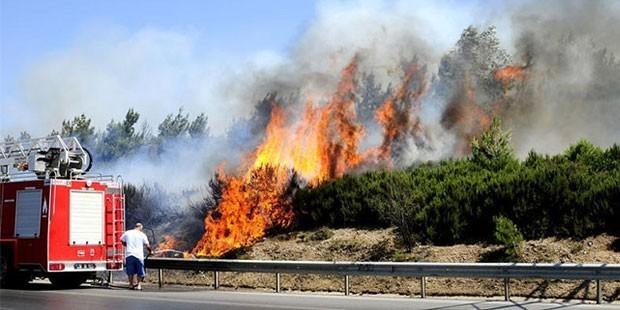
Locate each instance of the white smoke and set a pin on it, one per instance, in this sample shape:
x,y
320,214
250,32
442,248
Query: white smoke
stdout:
x,y
156,71
105,73
574,84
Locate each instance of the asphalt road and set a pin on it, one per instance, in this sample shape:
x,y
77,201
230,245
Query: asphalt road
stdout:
x,y
43,296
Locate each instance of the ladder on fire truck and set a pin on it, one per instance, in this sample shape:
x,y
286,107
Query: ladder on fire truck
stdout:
x,y
114,248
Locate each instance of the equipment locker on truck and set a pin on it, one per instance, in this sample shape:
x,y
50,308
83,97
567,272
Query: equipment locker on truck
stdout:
x,y
56,220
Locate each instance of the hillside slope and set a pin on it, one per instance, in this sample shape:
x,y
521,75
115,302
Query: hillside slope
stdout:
x,y
382,245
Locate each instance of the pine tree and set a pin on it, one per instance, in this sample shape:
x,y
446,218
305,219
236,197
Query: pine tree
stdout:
x,y
492,150
80,127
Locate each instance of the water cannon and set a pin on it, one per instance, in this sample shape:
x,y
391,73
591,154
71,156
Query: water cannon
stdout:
x,y
48,157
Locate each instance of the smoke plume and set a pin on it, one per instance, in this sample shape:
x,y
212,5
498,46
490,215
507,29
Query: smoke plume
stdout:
x,y
377,82
572,90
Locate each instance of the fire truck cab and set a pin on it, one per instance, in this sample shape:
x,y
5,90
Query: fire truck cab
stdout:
x,y
57,221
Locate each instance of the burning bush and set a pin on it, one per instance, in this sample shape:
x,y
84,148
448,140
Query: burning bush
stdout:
x,y
249,207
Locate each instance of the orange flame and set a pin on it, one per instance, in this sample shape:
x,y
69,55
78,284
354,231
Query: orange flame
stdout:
x,y
168,244
396,113
508,74
247,209
322,145
342,149
466,118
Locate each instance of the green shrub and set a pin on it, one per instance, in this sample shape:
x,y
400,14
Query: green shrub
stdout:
x,y
574,194
492,150
507,234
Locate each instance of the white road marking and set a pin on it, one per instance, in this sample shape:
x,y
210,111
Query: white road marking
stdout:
x,y
136,295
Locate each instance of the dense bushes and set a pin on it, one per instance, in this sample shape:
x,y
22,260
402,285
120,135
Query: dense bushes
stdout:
x,y
574,194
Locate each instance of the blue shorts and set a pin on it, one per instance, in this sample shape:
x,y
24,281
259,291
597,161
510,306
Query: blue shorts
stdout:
x,y
134,266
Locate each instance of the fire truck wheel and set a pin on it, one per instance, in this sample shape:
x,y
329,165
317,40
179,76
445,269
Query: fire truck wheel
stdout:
x,y
10,278
68,280
4,271
18,279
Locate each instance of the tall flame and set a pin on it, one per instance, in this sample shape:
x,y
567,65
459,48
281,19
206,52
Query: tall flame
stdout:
x,y
249,206
322,145
398,114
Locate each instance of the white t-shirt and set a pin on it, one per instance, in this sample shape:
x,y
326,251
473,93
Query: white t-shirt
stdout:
x,y
135,240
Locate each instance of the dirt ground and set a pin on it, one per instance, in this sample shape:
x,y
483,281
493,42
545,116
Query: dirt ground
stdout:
x,y
382,245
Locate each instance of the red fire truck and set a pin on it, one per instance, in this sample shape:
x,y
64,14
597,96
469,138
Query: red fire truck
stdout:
x,y
56,220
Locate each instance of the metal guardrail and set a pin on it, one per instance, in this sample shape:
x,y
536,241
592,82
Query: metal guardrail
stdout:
x,y
506,271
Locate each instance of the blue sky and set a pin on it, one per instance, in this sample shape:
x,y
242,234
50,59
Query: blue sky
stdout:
x,y
61,58
30,30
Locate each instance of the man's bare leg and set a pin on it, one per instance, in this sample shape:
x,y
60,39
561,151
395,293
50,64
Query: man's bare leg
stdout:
x,y
138,280
130,277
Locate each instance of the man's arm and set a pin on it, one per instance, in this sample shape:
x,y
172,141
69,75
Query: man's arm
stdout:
x,y
123,238
146,243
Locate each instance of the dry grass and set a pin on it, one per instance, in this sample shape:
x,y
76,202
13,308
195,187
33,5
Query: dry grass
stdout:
x,y
381,245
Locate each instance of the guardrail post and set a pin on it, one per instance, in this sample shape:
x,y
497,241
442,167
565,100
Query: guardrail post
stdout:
x,y
507,289
599,296
277,282
346,285
216,280
160,277
423,287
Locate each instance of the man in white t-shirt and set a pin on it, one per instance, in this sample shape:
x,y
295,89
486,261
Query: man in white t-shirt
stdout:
x,y
134,241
